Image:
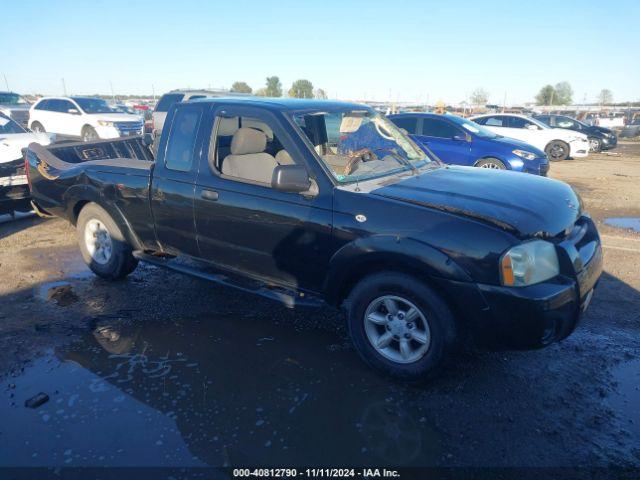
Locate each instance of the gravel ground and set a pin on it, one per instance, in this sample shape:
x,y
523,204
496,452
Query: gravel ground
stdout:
x,y
226,378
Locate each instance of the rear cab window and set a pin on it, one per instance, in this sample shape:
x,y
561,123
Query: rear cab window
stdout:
x,y
167,100
182,139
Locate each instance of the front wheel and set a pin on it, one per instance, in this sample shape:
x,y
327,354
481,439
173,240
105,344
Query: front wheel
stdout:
x,y
595,145
557,150
493,163
89,134
399,325
103,247
37,127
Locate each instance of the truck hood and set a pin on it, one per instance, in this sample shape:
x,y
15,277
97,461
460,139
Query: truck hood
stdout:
x,y
116,117
523,204
11,144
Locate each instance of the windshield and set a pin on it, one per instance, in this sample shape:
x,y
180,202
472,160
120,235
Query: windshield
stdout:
x,y
474,128
94,105
12,99
538,123
358,145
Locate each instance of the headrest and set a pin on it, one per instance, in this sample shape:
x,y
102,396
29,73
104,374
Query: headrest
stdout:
x,y
228,126
283,158
258,125
248,140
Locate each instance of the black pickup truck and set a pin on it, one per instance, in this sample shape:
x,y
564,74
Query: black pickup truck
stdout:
x,y
328,203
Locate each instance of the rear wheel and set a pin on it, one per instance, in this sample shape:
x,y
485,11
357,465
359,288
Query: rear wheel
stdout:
x,y
103,247
37,127
595,145
491,163
89,134
399,325
557,150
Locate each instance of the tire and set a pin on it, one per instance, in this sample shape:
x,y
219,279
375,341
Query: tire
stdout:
x,y
37,127
89,134
595,145
491,163
434,324
103,247
557,150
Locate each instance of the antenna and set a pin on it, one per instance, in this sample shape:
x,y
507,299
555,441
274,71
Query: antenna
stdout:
x,y
64,88
5,82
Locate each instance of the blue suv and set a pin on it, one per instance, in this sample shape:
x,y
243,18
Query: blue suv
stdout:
x,y
459,141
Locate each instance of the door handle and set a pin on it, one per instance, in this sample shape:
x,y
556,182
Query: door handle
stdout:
x,y
209,195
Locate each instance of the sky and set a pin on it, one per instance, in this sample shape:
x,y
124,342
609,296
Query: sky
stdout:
x,y
422,51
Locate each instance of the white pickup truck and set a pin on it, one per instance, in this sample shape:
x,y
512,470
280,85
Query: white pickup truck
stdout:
x,y
84,117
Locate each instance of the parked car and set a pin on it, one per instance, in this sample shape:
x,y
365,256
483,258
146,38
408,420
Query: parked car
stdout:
x,y
600,138
631,129
458,141
264,195
174,96
557,143
14,191
86,118
15,107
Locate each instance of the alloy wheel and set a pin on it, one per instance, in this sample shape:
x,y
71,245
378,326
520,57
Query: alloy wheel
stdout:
x,y
397,329
98,241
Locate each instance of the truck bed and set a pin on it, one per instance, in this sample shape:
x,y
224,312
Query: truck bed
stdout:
x,y
61,174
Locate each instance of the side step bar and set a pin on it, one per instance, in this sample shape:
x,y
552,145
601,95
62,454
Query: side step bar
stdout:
x,y
288,297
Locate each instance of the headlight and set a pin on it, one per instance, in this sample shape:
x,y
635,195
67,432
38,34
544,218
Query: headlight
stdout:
x,y
529,263
106,123
524,154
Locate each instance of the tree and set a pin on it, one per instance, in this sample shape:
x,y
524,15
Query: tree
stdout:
x,y
274,87
546,96
320,93
241,87
479,97
301,89
564,94
605,96
262,92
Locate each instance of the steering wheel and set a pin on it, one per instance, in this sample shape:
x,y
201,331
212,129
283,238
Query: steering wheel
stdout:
x,y
379,129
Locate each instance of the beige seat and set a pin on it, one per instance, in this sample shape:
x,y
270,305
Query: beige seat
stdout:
x,y
283,158
248,159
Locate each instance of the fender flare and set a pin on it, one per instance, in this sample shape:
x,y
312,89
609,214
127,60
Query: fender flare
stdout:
x,y
84,193
407,253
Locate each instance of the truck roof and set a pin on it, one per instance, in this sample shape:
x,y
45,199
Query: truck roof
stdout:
x,y
291,104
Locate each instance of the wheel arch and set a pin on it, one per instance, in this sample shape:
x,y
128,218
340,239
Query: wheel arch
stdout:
x,y
364,257
493,157
80,195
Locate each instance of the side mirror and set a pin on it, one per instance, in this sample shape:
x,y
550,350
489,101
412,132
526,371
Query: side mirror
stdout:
x,y
147,139
290,178
73,111
533,127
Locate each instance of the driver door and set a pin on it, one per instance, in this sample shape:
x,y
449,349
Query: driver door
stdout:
x,y
242,223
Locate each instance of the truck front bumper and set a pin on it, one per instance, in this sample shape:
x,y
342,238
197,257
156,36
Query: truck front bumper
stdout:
x,y
499,317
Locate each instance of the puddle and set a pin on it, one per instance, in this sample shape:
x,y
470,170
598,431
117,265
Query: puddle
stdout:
x,y
630,223
203,391
626,400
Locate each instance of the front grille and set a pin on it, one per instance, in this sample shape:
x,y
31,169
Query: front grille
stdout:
x,y
20,116
129,128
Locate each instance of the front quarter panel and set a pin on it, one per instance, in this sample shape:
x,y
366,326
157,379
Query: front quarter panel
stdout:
x,y
433,242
